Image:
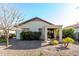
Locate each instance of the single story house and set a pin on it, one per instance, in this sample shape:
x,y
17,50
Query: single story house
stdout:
x,y
76,27
37,24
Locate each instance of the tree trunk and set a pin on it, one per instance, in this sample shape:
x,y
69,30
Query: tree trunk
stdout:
x,y
7,42
7,37
66,45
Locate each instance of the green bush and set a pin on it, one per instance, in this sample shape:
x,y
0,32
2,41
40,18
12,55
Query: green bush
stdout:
x,y
37,35
2,40
68,32
54,42
67,40
30,35
25,35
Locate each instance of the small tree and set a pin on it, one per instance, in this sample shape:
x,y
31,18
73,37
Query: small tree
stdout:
x,y
67,40
8,18
68,32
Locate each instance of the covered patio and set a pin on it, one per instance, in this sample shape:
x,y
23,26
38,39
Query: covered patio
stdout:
x,y
53,28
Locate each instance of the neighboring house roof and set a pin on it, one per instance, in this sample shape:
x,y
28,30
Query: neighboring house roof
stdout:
x,y
35,18
74,26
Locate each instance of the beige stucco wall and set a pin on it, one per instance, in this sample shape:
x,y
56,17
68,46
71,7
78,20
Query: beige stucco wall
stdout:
x,y
33,26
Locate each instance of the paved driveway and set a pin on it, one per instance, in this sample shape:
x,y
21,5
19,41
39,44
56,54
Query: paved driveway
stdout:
x,y
18,44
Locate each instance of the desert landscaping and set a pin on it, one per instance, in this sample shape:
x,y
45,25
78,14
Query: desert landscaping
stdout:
x,y
22,48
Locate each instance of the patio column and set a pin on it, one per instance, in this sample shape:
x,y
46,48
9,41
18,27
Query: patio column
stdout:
x,y
45,34
60,34
54,34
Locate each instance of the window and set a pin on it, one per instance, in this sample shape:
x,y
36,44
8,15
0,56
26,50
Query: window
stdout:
x,y
40,29
25,29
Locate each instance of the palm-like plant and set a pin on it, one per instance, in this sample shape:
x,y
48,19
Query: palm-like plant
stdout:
x,y
67,40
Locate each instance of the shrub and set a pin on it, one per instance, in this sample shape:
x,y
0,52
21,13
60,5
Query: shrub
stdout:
x,y
54,42
68,32
25,35
2,40
37,35
30,35
67,40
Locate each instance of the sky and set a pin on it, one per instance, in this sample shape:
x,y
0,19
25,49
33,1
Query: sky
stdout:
x,y
57,13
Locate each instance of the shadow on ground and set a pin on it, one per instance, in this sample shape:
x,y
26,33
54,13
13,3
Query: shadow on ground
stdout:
x,y
23,45
77,43
61,48
2,44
